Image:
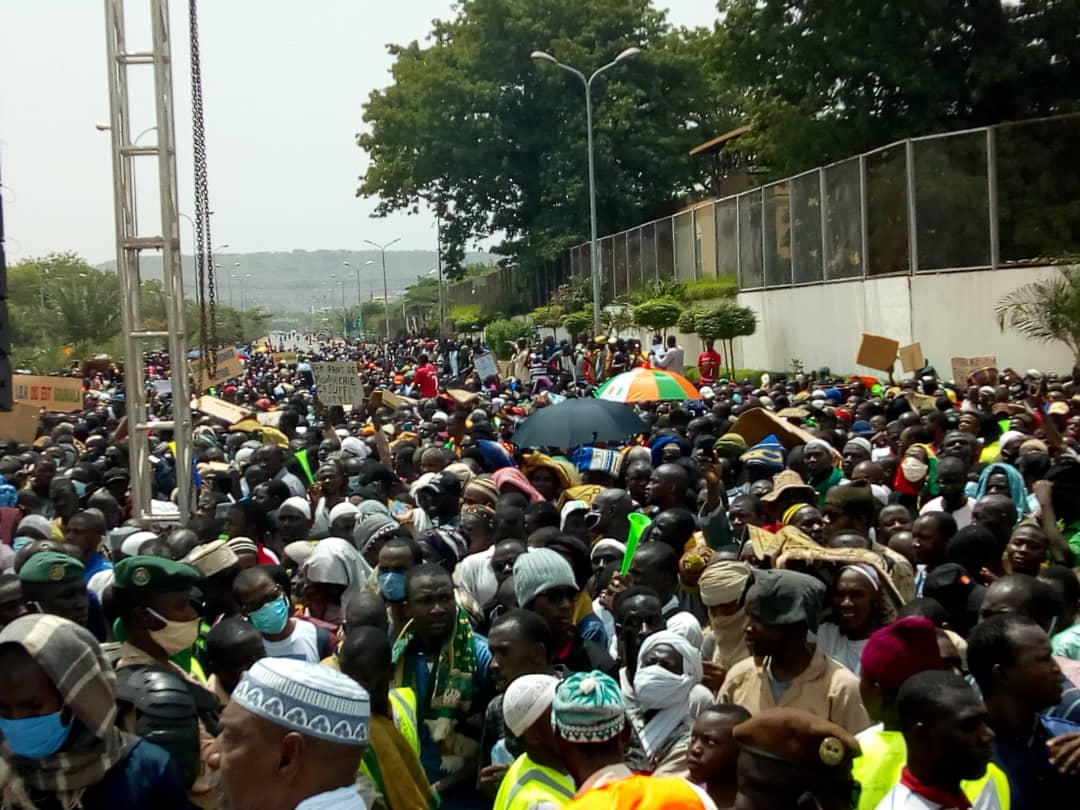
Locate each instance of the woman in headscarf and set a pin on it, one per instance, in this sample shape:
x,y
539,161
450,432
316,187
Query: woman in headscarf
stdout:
x,y
722,584
916,478
547,476
857,611
511,479
668,668
62,747
333,573
1003,479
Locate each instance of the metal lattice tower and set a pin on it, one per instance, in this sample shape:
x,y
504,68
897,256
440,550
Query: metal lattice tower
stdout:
x,y
129,245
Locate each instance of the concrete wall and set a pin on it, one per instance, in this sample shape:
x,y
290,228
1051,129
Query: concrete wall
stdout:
x,y
950,314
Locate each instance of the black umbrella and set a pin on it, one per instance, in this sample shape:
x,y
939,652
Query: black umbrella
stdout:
x,y
575,422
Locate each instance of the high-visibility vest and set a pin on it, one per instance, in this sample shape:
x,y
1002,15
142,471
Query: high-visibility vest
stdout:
x,y
884,754
527,783
403,707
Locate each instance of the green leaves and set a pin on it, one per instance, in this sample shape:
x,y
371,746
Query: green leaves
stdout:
x,y
660,314
1045,311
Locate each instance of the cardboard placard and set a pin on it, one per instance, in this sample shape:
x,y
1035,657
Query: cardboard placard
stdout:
x,y
220,409
392,400
269,418
485,365
912,358
877,352
463,398
338,383
288,358
757,423
506,368
964,367
228,367
20,423
50,393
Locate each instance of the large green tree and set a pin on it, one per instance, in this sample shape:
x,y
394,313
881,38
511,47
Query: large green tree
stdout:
x,y
825,79
496,141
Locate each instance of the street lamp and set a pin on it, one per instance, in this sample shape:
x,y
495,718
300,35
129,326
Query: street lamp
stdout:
x,y
594,254
243,299
386,289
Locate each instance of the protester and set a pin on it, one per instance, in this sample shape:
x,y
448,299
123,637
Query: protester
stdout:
x,y
712,755
294,733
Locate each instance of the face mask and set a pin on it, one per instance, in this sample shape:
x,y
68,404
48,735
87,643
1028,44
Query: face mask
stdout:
x,y
913,469
174,636
35,737
656,688
392,586
79,486
272,617
725,625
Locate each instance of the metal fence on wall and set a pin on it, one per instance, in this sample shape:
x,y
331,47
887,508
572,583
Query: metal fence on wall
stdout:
x,y
1005,195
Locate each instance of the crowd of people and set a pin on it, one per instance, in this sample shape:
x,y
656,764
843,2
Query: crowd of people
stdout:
x,y
795,592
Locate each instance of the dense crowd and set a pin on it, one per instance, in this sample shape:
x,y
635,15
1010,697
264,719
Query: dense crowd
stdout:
x,y
514,592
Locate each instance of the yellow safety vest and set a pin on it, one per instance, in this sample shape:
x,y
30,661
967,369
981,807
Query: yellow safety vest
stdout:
x,y
884,754
403,707
527,783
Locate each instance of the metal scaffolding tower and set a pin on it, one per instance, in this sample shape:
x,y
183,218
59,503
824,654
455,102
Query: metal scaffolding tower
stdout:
x,y
129,245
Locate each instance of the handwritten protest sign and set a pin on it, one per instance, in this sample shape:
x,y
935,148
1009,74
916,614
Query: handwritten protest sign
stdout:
x,y
964,367
338,383
485,365
50,393
228,367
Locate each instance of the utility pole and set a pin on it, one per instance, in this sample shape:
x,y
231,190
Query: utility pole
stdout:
x,y
385,286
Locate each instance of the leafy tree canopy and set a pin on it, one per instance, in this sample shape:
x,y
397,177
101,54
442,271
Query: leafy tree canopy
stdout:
x,y
496,142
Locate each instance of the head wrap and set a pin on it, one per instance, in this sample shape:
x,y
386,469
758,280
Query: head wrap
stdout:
x,y
515,478
655,688
448,543
723,582
569,508
131,544
309,698
537,460
355,447
588,708
540,570
787,597
483,490
899,650
1017,490
867,572
76,665
657,448
730,445
298,504
243,545
607,543
526,700
335,562
592,459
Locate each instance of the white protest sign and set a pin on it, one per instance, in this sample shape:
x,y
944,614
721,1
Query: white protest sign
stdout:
x,y
338,383
485,365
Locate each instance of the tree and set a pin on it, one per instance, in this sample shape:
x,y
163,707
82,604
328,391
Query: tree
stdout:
x,y
657,315
825,79
578,323
502,335
496,142
1045,311
725,323
549,317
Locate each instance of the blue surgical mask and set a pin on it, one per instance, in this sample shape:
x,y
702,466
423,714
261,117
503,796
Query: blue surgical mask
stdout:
x,y
392,586
272,617
80,486
36,737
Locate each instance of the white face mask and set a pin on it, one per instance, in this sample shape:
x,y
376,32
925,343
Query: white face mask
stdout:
x,y
913,469
657,688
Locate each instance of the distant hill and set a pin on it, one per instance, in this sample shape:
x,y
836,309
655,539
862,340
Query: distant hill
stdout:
x,y
294,281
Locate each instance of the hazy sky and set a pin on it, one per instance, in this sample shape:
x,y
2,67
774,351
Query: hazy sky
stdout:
x,y
284,84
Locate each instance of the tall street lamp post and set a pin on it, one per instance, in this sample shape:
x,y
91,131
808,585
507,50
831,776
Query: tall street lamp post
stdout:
x,y
386,287
594,255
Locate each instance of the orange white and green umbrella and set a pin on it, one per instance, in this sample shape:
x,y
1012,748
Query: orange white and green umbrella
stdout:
x,y
647,385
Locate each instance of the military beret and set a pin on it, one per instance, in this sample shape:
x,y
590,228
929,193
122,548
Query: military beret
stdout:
x,y
154,575
51,568
798,737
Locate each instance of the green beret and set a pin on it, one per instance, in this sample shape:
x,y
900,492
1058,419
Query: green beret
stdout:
x,y
787,597
51,568
154,575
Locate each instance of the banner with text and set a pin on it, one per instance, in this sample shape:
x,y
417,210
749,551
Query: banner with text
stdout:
x,y
50,393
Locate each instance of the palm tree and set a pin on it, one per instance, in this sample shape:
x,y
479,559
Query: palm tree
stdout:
x,y
1046,310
